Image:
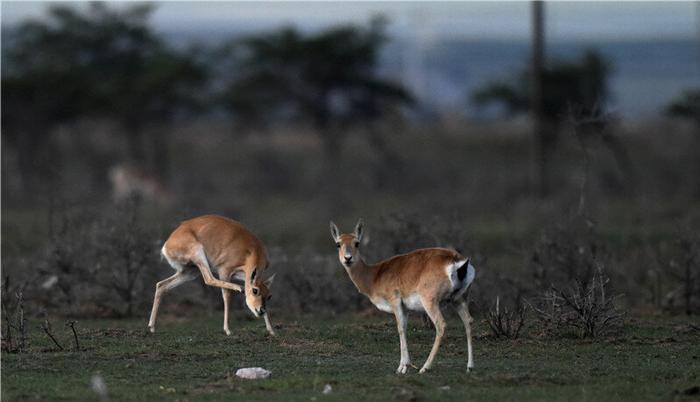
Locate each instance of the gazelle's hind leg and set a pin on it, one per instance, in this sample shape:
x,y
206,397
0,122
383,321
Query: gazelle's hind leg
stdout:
x,y
463,311
163,287
432,307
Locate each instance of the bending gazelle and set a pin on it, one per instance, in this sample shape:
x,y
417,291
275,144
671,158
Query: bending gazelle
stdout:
x,y
418,280
200,245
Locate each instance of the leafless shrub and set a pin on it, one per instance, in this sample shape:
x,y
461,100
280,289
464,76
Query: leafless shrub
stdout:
x,y
510,289
97,263
123,248
506,323
7,340
685,272
645,267
21,320
567,253
584,308
670,273
13,303
65,257
314,283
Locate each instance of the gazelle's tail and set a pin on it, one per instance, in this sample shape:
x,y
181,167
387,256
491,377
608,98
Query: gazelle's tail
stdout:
x,y
464,273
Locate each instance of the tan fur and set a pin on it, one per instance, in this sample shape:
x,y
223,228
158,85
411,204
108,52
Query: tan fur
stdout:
x,y
395,283
420,271
211,243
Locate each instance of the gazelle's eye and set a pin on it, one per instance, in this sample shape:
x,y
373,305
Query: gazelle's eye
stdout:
x,y
269,297
337,245
255,291
357,244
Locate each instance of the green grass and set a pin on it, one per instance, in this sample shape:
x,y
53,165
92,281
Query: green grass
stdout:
x,y
191,359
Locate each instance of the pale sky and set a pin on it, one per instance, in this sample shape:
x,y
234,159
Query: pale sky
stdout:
x,y
566,20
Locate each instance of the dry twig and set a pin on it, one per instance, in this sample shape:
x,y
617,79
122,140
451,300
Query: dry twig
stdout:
x,y
46,326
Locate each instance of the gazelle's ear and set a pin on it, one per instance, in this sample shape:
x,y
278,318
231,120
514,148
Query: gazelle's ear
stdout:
x,y
253,275
365,239
335,233
359,229
469,260
268,281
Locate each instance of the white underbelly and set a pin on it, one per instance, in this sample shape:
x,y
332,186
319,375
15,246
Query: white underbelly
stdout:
x,y
382,305
412,302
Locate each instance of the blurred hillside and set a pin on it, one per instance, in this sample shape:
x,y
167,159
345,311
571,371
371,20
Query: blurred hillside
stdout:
x,y
112,132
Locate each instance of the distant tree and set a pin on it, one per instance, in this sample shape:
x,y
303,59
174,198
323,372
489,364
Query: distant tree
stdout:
x,y
578,87
571,91
96,62
686,106
328,79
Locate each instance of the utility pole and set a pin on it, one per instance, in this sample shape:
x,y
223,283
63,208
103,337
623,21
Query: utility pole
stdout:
x,y
540,136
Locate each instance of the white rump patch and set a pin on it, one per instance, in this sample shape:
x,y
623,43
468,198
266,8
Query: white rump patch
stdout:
x,y
471,273
174,264
451,271
459,287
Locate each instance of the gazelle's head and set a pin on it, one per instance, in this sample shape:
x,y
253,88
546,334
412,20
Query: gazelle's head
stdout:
x,y
348,244
257,293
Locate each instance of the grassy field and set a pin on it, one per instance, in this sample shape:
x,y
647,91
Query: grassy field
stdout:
x,y
651,358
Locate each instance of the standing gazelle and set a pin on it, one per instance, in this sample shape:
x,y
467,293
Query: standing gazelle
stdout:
x,y
418,280
200,245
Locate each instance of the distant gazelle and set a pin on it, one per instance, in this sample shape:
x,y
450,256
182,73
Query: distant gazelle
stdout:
x,y
211,243
130,181
418,280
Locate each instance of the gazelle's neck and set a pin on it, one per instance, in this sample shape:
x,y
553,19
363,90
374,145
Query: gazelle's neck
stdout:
x,y
362,275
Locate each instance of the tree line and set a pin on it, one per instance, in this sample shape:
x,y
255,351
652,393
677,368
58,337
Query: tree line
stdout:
x,y
103,63
97,62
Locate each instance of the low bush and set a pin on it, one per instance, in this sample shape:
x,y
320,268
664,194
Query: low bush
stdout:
x,y
584,308
505,322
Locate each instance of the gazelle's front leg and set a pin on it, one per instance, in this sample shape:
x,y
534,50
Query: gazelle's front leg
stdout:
x,y
401,322
209,279
268,325
432,307
226,294
463,311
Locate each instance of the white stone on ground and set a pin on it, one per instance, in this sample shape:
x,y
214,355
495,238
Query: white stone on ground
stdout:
x,y
253,373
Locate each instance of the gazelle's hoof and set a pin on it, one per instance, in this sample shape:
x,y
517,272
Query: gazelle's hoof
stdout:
x,y
470,369
403,368
152,329
423,370
227,332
